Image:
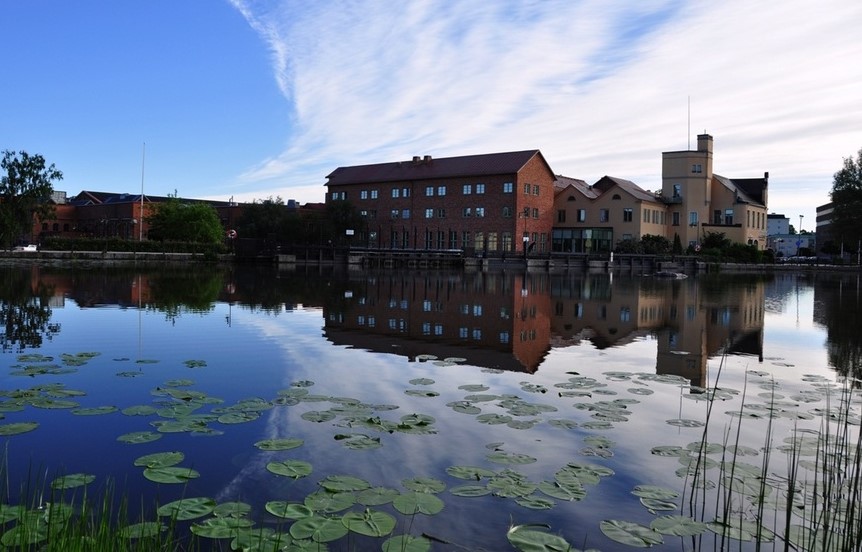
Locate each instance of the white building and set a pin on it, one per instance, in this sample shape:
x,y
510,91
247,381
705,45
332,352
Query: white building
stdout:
x,y
777,224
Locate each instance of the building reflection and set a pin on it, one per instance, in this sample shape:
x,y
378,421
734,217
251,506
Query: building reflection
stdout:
x,y
510,321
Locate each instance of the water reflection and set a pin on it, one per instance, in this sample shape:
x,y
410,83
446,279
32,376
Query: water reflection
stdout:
x,y
507,321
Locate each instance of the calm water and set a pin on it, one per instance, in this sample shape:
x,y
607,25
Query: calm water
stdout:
x,y
519,375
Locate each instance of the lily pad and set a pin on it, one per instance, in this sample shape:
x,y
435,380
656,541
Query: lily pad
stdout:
x,y
232,509
424,485
72,480
469,473
138,437
631,534
17,428
406,543
170,474
535,538
501,457
418,503
187,508
143,530
376,496
288,510
279,444
318,529
678,526
290,468
329,503
370,523
160,459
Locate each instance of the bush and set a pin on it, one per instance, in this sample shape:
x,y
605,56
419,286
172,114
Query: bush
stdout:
x,y
129,246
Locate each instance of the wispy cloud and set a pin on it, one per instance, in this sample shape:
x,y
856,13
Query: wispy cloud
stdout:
x,y
600,87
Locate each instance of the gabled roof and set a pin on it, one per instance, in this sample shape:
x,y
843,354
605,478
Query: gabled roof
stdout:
x,y
563,182
607,182
746,190
426,168
88,197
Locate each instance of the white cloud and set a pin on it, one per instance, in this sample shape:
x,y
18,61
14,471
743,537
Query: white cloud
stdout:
x,y
599,88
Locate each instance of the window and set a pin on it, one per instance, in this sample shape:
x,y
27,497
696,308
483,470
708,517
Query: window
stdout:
x,y
728,216
480,212
426,305
526,189
716,216
429,191
677,191
535,189
429,213
697,168
405,192
507,187
616,196
507,212
395,213
480,188
338,195
625,314
405,213
395,192
363,213
535,212
675,218
441,190
604,215
468,189
441,213
363,194
627,214
646,215
372,213
627,237
692,218
561,215
468,212
582,215
373,194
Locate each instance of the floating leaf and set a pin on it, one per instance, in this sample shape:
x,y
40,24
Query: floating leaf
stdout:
x,y
278,444
171,474
370,523
187,508
424,485
501,457
221,527
418,503
138,437
406,543
421,381
232,509
94,411
72,480
290,468
632,534
328,503
470,473
160,459
143,530
678,526
195,363
17,428
140,410
289,510
534,502
535,538
376,496
318,416
318,529
341,483
470,491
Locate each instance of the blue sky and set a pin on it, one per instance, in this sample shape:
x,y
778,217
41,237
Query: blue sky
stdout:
x,y
257,98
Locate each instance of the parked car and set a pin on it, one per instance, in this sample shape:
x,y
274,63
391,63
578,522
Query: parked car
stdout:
x,y
21,248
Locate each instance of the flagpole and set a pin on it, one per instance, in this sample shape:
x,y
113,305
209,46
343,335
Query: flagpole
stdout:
x,y
141,221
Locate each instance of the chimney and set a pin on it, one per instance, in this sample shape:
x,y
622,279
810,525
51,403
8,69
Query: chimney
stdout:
x,y
427,159
416,159
704,143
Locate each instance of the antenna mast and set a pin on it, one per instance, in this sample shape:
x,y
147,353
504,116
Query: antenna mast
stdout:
x,y
688,133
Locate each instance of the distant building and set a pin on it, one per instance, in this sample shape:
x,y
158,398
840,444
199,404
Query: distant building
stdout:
x,y
494,203
777,224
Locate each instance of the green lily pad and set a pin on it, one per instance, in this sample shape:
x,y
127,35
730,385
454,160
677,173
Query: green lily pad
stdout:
x,y
359,441
421,381
678,526
160,459
143,530
501,457
469,473
424,485
72,480
370,523
342,483
187,508
418,503
238,417
279,444
329,503
17,428
631,534
288,510
195,363
535,538
232,509
290,468
221,527
655,492
318,529
534,502
94,411
138,437
139,410
470,491
421,393
170,474
376,496
318,416
406,543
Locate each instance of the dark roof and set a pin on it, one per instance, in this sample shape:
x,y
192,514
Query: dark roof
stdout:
x,y
425,168
563,182
606,182
88,197
747,190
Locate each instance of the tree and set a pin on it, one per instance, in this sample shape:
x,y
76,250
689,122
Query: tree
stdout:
x,y
25,191
846,198
264,219
174,220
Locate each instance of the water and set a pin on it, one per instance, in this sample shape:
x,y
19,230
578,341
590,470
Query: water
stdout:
x,y
549,370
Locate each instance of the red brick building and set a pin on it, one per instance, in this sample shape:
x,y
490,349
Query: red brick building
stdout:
x,y
492,203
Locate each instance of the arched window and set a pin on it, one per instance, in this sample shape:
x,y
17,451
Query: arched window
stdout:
x,y
616,196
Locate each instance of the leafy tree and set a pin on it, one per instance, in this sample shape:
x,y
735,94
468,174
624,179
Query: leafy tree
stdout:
x,y
846,197
715,240
655,245
263,219
677,245
343,216
174,220
25,191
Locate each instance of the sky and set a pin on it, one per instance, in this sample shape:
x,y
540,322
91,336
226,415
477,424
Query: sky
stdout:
x,y
250,99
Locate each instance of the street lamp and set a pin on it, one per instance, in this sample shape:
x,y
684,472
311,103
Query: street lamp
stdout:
x,y
800,224
526,238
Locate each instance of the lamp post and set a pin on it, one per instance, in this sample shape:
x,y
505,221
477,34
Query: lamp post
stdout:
x,y
800,224
526,238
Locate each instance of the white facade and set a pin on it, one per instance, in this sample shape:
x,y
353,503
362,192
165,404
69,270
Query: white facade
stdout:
x,y
777,224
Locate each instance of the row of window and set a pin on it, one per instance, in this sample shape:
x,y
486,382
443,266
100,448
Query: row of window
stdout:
x,y
452,239
604,215
440,212
439,191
